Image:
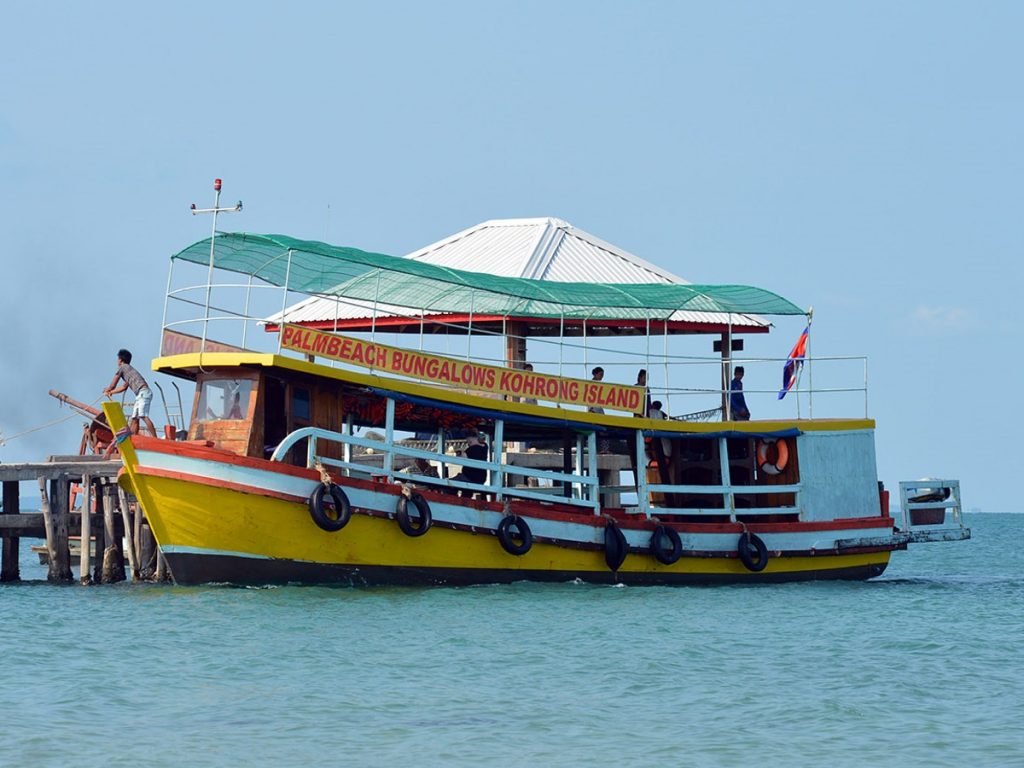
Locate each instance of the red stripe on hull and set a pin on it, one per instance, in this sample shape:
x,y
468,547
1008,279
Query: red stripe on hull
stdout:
x,y
520,507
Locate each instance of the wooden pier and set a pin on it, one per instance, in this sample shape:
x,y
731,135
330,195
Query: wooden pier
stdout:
x,y
106,515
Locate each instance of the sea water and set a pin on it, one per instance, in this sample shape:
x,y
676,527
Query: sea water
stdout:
x,y
921,667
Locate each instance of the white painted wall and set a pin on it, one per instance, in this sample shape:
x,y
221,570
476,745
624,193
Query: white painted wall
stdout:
x,y
838,474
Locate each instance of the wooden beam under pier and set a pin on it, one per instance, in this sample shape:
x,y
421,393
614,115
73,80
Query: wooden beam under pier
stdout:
x,y
53,470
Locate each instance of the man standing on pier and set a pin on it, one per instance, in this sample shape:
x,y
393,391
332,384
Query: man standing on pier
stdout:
x,y
143,394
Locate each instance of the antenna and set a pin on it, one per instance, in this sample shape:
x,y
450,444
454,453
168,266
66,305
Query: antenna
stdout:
x,y
213,239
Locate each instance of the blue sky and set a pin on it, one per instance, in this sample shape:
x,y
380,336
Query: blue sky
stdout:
x,y
861,158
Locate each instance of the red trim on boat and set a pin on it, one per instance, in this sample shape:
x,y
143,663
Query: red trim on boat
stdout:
x,y
517,506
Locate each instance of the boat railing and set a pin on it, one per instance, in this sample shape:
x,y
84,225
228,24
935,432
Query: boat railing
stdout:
x,y
235,314
931,510
583,487
580,488
726,491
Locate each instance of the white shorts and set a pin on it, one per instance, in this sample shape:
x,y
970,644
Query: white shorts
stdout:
x,y
142,401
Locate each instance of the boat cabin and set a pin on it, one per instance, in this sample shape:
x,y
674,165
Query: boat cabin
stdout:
x,y
302,413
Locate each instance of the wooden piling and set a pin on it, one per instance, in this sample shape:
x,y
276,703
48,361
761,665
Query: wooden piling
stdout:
x,y
133,553
147,561
85,531
99,535
60,560
113,562
136,536
63,528
162,572
44,507
9,569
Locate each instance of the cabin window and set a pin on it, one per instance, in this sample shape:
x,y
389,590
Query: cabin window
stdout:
x,y
224,399
300,404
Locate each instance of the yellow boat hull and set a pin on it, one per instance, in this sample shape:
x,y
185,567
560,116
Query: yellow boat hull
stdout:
x,y
211,534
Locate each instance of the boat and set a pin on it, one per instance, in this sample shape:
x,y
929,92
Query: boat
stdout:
x,y
326,457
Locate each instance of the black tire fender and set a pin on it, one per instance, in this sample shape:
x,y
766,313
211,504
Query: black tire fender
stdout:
x,y
513,527
666,546
615,546
405,520
752,551
341,506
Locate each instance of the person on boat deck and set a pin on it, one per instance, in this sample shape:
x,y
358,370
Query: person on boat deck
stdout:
x,y
660,449
737,402
421,466
236,407
641,381
598,375
476,450
143,394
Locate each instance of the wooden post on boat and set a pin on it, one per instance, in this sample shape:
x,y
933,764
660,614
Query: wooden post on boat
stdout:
x,y
60,559
515,348
9,569
129,536
85,529
726,344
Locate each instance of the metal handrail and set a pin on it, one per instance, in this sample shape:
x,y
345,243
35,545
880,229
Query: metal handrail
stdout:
x,y
313,434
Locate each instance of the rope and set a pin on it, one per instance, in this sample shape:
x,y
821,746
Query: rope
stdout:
x,y
47,425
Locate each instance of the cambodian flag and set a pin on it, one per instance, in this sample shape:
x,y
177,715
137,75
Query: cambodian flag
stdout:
x,y
791,371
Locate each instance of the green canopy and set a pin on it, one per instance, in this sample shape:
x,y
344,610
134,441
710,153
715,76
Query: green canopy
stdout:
x,y
320,269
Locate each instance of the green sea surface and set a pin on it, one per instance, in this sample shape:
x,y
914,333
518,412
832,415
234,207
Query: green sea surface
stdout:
x,y
921,667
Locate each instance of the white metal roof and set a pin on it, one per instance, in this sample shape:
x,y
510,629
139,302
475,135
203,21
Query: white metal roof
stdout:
x,y
540,249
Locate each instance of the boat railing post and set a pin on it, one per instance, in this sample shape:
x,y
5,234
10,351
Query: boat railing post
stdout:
x,y
347,450
594,489
643,501
389,439
245,312
729,498
442,469
579,467
498,473
167,300
284,302
957,510
668,390
810,377
865,387
311,452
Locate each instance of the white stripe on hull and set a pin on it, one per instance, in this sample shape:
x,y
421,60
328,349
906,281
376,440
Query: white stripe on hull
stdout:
x,y
261,480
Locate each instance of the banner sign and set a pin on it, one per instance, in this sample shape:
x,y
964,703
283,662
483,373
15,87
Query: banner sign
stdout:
x,y
438,369
175,343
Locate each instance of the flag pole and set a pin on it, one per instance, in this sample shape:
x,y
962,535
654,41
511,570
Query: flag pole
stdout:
x,y
810,368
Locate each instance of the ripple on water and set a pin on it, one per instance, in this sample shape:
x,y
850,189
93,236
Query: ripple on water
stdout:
x,y
921,667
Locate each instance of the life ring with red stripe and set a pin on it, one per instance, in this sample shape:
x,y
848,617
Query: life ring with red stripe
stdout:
x,y
772,455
